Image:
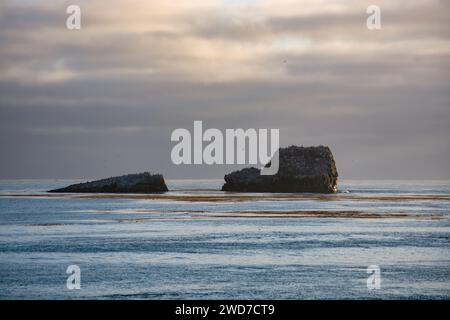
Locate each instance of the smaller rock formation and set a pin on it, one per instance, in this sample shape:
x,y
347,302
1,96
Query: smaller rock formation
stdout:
x,y
131,183
301,169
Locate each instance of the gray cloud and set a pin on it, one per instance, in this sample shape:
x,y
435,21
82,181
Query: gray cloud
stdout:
x,y
104,100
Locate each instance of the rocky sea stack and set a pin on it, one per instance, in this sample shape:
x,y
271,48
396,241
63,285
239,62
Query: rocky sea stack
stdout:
x,y
130,183
301,169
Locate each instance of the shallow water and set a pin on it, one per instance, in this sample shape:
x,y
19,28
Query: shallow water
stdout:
x,y
197,243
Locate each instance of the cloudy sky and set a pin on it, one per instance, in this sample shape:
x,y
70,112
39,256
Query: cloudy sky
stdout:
x,y
104,100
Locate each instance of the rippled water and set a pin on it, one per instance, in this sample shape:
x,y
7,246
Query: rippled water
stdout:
x,y
197,243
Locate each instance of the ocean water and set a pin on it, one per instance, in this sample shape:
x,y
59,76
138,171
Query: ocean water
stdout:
x,y
198,243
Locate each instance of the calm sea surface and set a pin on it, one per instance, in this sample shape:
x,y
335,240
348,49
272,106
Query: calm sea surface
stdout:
x,y
197,243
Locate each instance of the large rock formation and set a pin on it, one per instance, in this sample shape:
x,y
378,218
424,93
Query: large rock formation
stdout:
x,y
131,183
301,169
